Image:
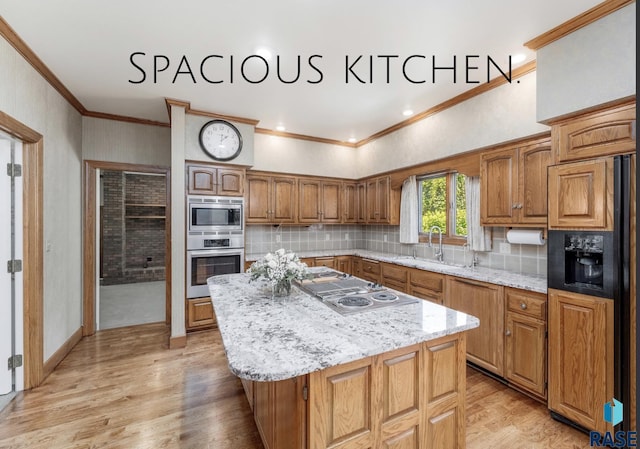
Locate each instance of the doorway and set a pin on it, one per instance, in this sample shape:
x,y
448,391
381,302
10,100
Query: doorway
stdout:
x,y
141,210
11,279
131,242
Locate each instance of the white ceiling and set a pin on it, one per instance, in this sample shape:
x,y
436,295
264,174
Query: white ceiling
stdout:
x,y
87,45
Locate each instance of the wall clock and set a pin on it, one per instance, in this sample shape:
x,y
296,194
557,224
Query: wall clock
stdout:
x,y
220,140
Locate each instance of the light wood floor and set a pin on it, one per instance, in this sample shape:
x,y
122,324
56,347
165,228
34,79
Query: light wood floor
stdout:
x,y
122,388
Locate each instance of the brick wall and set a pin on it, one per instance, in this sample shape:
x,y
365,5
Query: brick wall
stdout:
x,y
133,235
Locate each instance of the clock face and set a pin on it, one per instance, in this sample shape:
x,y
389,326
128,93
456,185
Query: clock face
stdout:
x,y
220,140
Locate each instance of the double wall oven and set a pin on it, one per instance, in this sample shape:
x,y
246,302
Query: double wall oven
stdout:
x,y
215,240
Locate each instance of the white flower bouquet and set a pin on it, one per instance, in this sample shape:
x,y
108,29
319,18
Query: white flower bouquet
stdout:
x,y
279,269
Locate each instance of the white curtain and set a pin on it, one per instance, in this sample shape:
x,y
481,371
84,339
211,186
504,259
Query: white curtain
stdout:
x,y
478,237
409,211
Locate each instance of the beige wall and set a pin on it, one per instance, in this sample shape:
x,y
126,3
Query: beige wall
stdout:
x,y
499,115
591,66
304,157
27,97
115,141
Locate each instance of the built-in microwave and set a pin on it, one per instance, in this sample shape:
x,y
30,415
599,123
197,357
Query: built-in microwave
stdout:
x,y
215,213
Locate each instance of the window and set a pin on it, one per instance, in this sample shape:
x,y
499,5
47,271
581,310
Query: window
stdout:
x,y
443,204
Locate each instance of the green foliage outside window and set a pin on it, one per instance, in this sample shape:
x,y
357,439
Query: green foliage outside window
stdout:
x,y
433,204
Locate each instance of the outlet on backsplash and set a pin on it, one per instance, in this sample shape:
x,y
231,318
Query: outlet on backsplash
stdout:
x,y
346,236
327,237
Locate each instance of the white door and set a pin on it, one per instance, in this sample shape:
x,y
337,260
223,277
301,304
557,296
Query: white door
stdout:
x,y
10,249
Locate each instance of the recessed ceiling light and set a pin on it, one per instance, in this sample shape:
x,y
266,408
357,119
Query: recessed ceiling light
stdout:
x,y
518,57
280,128
352,140
264,52
407,112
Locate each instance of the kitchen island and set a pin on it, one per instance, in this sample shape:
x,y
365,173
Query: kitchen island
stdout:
x,y
390,377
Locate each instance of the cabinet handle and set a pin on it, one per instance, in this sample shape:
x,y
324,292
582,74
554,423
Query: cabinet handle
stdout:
x,y
520,206
508,333
514,206
523,306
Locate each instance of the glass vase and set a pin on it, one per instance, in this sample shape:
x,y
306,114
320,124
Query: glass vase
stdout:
x,y
281,289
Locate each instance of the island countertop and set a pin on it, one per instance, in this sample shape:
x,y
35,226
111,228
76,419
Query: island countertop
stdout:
x,y
270,339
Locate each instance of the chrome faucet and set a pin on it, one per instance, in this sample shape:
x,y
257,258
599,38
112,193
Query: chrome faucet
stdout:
x,y
439,255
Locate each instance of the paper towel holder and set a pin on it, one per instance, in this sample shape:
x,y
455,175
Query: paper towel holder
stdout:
x,y
544,231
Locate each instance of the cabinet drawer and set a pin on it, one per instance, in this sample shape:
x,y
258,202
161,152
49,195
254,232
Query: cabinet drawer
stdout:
x,y
370,267
427,280
328,262
527,303
400,286
426,294
392,273
200,313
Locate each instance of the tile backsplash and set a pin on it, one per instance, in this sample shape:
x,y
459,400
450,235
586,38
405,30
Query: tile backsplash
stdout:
x,y
527,259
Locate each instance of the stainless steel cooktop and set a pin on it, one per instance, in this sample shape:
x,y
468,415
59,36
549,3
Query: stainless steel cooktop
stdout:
x,y
348,295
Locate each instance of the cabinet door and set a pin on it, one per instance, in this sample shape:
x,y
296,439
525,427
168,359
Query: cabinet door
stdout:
x,y
343,264
284,200
258,203
532,185
309,200
372,211
580,195
525,350
485,344
383,186
362,202
329,262
200,313
596,134
330,194
394,276
350,202
230,182
201,180
499,187
580,357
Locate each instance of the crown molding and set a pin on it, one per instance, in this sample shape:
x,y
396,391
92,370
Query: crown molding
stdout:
x,y
597,12
305,137
124,118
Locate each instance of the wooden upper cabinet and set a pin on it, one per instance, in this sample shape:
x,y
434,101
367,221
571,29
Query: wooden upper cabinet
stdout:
x,y
362,202
349,202
601,133
499,187
214,180
271,199
513,184
581,194
319,201
382,203
230,182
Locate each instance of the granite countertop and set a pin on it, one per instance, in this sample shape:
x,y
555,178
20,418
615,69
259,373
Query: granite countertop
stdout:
x,y
270,339
500,277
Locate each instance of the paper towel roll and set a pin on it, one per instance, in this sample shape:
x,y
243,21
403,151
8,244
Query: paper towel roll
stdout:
x,y
525,236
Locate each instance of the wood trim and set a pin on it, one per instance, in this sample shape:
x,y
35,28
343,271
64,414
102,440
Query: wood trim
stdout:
x,y
596,13
33,268
187,109
62,352
21,47
288,135
33,252
496,82
178,342
124,118
89,235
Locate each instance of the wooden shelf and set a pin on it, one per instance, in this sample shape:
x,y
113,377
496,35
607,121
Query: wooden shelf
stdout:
x,y
144,205
146,216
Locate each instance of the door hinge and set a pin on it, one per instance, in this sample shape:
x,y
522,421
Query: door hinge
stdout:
x,y
14,170
305,393
14,266
15,361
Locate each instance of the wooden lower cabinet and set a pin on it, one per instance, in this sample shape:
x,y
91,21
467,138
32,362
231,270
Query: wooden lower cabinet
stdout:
x,y
394,276
344,264
580,357
427,285
409,398
329,262
280,412
200,313
526,341
485,345
370,270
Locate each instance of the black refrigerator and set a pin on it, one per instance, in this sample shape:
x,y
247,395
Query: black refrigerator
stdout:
x,y
597,263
